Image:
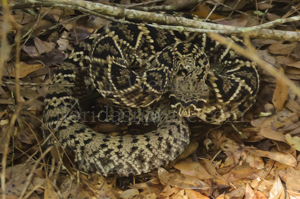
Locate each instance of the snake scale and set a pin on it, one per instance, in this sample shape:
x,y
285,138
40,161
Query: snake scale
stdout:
x,y
135,66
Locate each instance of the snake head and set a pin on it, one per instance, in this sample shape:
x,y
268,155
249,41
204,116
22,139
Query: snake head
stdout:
x,y
188,96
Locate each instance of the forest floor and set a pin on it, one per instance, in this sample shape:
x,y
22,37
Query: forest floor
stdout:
x,y
255,157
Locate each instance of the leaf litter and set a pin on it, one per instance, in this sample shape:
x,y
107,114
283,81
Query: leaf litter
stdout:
x,y
217,164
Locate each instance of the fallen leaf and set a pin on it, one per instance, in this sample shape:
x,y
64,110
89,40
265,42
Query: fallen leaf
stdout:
x,y
282,49
264,6
280,93
50,193
237,192
31,51
203,10
188,167
42,46
233,151
130,193
260,195
17,179
293,179
168,191
253,160
263,185
269,128
179,195
191,148
181,180
277,190
281,157
192,194
293,141
249,193
210,168
26,69
239,172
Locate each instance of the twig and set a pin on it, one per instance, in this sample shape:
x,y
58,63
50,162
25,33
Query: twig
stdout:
x,y
34,84
160,18
7,22
28,180
259,33
4,52
252,55
142,4
170,7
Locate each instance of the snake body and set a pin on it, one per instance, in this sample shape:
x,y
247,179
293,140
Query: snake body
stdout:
x,y
134,65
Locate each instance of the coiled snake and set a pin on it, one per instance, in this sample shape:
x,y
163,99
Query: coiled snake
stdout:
x,y
135,65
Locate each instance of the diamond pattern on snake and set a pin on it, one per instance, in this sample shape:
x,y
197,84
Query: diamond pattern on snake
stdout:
x,y
137,67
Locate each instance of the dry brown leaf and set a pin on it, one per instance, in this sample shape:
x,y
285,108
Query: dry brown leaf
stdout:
x,y
191,148
168,191
234,4
264,6
272,16
222,196
258,121
232,150
263,185
179,195
31,51
53,12
266,56
42,46
293,141
260,195
146,185
253,160
237,192
23,18
148,195
293,180
285,60
292,73
280,93
17,178
26,69
203,10
282,49
293,195
281,157
194,194
188,167
249,193
130,193
26,136
50,192
271,133
212,171
181,180
277,191
269,127
293,103
239,172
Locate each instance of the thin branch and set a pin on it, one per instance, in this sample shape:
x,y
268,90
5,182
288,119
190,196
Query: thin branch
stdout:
x,y
33,84
161,18
142,4
170,7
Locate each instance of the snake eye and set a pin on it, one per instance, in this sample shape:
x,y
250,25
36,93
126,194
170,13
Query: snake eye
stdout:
x,y
183,72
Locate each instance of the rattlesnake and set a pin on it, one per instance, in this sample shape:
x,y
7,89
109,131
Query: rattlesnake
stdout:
x,y
134,65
